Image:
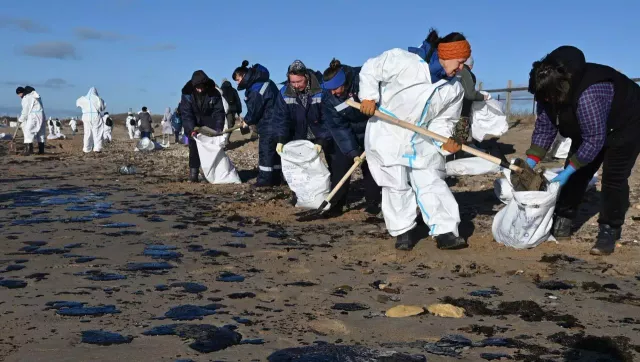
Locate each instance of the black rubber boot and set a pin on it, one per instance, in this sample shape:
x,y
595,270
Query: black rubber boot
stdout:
x,y
449,241
372,209
294,200
561,228
28,149
194,173
606,242
40,148
406,241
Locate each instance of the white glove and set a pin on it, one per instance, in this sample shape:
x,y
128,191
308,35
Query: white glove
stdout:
x,y
318,148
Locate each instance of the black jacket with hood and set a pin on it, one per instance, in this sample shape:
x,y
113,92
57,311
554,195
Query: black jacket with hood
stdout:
x,y
201,109
625,108
233,99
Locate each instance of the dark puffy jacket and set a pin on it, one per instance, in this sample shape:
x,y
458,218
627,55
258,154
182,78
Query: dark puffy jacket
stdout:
x,y
261,95
293,119
145,122
205,109
346,124
232,97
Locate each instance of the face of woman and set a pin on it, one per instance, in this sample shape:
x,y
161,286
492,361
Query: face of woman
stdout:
x,y
298,82
238,79
338,92
452,66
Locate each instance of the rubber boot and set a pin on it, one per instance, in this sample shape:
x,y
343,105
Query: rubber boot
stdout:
x,y
41,148
406,241
449,241
561,228
194,173
606,242
28,149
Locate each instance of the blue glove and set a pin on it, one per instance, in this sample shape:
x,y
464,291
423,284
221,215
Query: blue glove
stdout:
x,y
563,177
531,162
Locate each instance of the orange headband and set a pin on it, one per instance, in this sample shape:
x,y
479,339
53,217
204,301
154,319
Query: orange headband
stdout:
x,y
454,50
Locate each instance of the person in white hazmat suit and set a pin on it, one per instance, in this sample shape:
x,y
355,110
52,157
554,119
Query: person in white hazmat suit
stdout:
x,y
108,127
131,124
92,107
73,125
51,127
417,86
57,127
32,119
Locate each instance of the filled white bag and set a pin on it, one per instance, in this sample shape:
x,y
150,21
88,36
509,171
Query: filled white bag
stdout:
x,y
504,191
560,147
216,165
472,166
488,119
527,219
305,173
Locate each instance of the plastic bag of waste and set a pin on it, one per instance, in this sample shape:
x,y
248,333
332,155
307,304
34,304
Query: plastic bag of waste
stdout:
x,y
305,173
471,166
488,119
216,165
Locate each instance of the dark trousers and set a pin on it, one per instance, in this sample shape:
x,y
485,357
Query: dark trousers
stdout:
x,y
145,134
177,134
269,164
617,162
340,165
194,156
231,120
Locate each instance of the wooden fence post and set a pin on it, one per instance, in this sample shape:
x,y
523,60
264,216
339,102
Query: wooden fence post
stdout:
x,y
508,106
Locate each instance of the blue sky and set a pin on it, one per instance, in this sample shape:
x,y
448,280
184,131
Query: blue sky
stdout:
x,y
141,52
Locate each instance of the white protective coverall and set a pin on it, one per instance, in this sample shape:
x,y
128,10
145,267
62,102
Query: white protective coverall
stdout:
x,y
51,127
92,107
73,125
131,127
32,118
409,167
56,129
106,129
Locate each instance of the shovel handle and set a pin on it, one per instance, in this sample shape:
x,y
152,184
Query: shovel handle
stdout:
x,y
211,133
437,137
344,178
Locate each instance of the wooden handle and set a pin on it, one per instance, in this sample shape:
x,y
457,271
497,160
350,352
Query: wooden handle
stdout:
x,y
211,133
345,177
437,137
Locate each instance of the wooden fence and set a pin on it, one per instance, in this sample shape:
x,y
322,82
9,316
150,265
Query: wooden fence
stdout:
x,y
508,97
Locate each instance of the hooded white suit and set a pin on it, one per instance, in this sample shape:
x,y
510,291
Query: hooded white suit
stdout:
x,y
106,129
92,107
131,127
32,118
51,125
410,167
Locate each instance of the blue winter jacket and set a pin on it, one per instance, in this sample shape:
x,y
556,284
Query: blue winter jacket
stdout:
x,y
293,119
346,124
261,95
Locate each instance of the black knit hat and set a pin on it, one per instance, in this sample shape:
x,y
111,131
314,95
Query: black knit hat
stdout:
x,y
19,90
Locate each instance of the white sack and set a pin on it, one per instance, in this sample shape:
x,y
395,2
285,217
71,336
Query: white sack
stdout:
x,y
216,165
504,191
305,173
488,119
527,219
471,166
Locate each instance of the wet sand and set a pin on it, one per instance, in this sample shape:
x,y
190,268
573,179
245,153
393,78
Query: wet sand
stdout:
x,y
257,281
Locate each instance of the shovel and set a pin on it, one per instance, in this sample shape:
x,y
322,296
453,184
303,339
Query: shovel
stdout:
x,y
314,214
211,133
437,137
12,144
